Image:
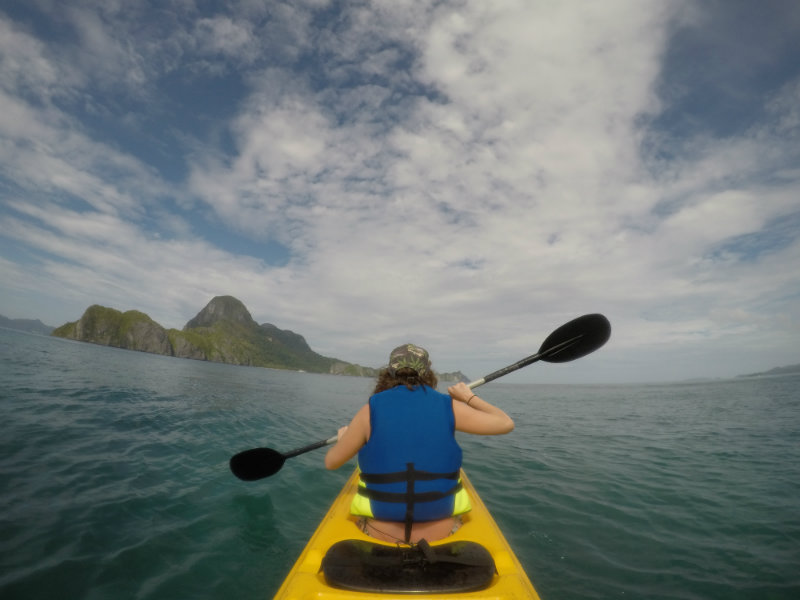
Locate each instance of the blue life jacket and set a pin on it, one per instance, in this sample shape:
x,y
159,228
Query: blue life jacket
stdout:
x,y
410,467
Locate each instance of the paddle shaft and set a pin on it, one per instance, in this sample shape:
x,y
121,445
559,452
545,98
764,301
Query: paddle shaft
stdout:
x,y
491,377
525,362
572,340
310,447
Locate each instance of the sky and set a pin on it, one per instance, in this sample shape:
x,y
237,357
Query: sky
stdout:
x,y
464,175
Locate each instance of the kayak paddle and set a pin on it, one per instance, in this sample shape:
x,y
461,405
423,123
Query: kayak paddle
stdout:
x,y
572,340
258,463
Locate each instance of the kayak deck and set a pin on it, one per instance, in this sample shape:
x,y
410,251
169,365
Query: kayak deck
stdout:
x,y
306,579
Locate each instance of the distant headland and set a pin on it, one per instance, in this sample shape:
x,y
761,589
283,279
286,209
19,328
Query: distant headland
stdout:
x,y
224,331
788,370
29,325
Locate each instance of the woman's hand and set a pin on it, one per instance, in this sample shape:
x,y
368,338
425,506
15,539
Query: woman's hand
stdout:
x,y
460,392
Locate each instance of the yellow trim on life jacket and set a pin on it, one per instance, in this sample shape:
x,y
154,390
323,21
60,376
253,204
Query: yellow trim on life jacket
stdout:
x,y
360,506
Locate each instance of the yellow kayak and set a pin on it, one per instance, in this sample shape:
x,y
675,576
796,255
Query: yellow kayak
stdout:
x,y
340,561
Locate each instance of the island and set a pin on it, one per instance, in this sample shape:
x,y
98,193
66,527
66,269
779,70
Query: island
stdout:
x,y
788,370
224,331
27,325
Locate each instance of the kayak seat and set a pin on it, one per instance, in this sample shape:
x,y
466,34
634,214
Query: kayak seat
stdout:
x,y
453,567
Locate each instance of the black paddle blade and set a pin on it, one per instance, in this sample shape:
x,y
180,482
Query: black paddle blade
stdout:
x,y
575,339
256,463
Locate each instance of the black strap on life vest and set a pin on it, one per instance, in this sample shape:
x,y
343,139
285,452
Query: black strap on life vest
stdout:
x,y
410,497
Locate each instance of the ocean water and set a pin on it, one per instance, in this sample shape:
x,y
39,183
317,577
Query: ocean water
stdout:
x,y
114,479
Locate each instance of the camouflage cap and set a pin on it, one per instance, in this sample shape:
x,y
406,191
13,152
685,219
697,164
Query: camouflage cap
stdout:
x,y
410,356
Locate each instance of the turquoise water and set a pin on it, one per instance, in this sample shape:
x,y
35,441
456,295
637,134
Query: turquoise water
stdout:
x,y
114,480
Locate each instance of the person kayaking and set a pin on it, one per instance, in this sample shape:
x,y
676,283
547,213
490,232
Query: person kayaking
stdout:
x,y
410,487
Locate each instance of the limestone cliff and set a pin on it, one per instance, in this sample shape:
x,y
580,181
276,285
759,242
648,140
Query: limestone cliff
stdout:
x,y
224,331
131,330
222,308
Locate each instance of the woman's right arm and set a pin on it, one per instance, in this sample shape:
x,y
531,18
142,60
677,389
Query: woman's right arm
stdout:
x,y
475,415
351,439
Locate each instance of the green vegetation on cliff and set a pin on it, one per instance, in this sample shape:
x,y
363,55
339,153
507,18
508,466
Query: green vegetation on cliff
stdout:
x,y
132,330
223,331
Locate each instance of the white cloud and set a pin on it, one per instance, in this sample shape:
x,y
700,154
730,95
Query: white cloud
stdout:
x,y
527,175
467,176
227,37
23,62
